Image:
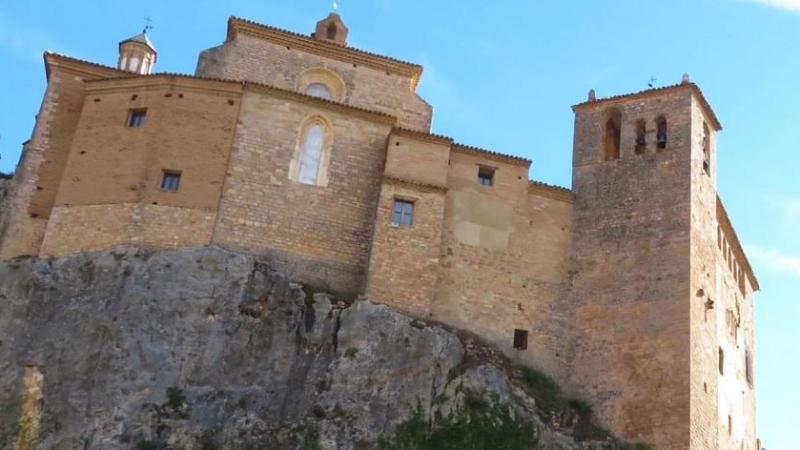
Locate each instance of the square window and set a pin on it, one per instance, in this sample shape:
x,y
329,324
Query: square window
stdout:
x,y
521,339
170,180
403,212
136,118
485,176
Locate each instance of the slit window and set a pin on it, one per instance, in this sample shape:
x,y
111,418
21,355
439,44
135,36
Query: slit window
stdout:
x,y
641,137
748,367
721,362
485,176
170,180
137,118
403,213
706,149
661,133
520,339
611,142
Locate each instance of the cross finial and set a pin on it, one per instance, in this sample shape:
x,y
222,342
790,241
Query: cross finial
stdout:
x,y
147,24
651,82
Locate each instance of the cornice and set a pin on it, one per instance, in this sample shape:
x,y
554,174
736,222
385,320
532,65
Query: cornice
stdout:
x,y
653,92
161,81
727,227
510,159
551,191
321,102
423,136
80,67
414,184
331,50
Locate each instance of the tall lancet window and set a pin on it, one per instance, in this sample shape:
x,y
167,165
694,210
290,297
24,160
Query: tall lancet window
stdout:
x,y
311,156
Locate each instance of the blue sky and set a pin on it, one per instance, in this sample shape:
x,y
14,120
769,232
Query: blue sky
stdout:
x,y
502,75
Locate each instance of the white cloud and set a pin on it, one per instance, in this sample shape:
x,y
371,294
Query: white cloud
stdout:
x,y
788,208
774,259
792,5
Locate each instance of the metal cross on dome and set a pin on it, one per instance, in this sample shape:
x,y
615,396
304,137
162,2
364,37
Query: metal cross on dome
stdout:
x,y
148,21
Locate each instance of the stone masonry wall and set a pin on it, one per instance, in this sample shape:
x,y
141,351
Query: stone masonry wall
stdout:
x,y
39,171
111,189
706,428
319,234
404,264
110,226
254,59
503,259
630,263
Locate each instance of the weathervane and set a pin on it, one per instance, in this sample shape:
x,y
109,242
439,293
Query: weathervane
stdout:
x,y
147,25
651,82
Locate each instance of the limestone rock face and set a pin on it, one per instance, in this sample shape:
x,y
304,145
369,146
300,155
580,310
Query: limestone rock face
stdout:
x,y
206,348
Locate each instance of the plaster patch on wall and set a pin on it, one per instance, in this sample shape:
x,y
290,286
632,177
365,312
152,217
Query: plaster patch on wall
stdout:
x,y
480,220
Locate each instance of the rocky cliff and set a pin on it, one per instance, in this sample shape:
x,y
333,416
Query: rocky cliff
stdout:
x,y
210,349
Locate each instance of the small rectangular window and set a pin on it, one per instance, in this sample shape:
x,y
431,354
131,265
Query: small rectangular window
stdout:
x,y
403,212
170,180
721,362
485,176
521,339
136,118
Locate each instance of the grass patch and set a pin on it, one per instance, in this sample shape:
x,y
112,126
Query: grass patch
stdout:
x,y
476,425
146,445
351,353
208,440
175,397
311,439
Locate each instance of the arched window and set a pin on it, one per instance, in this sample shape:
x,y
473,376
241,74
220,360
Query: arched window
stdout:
x,y
641,137
133,64
311,154
319,90
661,132
612,135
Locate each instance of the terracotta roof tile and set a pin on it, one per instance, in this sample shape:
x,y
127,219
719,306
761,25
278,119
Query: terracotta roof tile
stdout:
x,y
490,153
549,186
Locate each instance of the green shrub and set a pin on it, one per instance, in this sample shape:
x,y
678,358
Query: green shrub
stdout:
x,y
351,353
175,397
475,426
145,445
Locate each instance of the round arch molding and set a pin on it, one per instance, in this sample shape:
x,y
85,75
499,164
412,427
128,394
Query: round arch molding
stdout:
x,y
321,75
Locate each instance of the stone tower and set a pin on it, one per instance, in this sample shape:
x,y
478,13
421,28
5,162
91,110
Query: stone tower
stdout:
x,y
137,54
647,269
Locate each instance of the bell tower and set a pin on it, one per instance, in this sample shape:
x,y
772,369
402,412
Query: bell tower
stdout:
x,y
642,348
137,54
332,29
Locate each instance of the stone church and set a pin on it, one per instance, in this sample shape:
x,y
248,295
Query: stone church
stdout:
x,y
631,288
